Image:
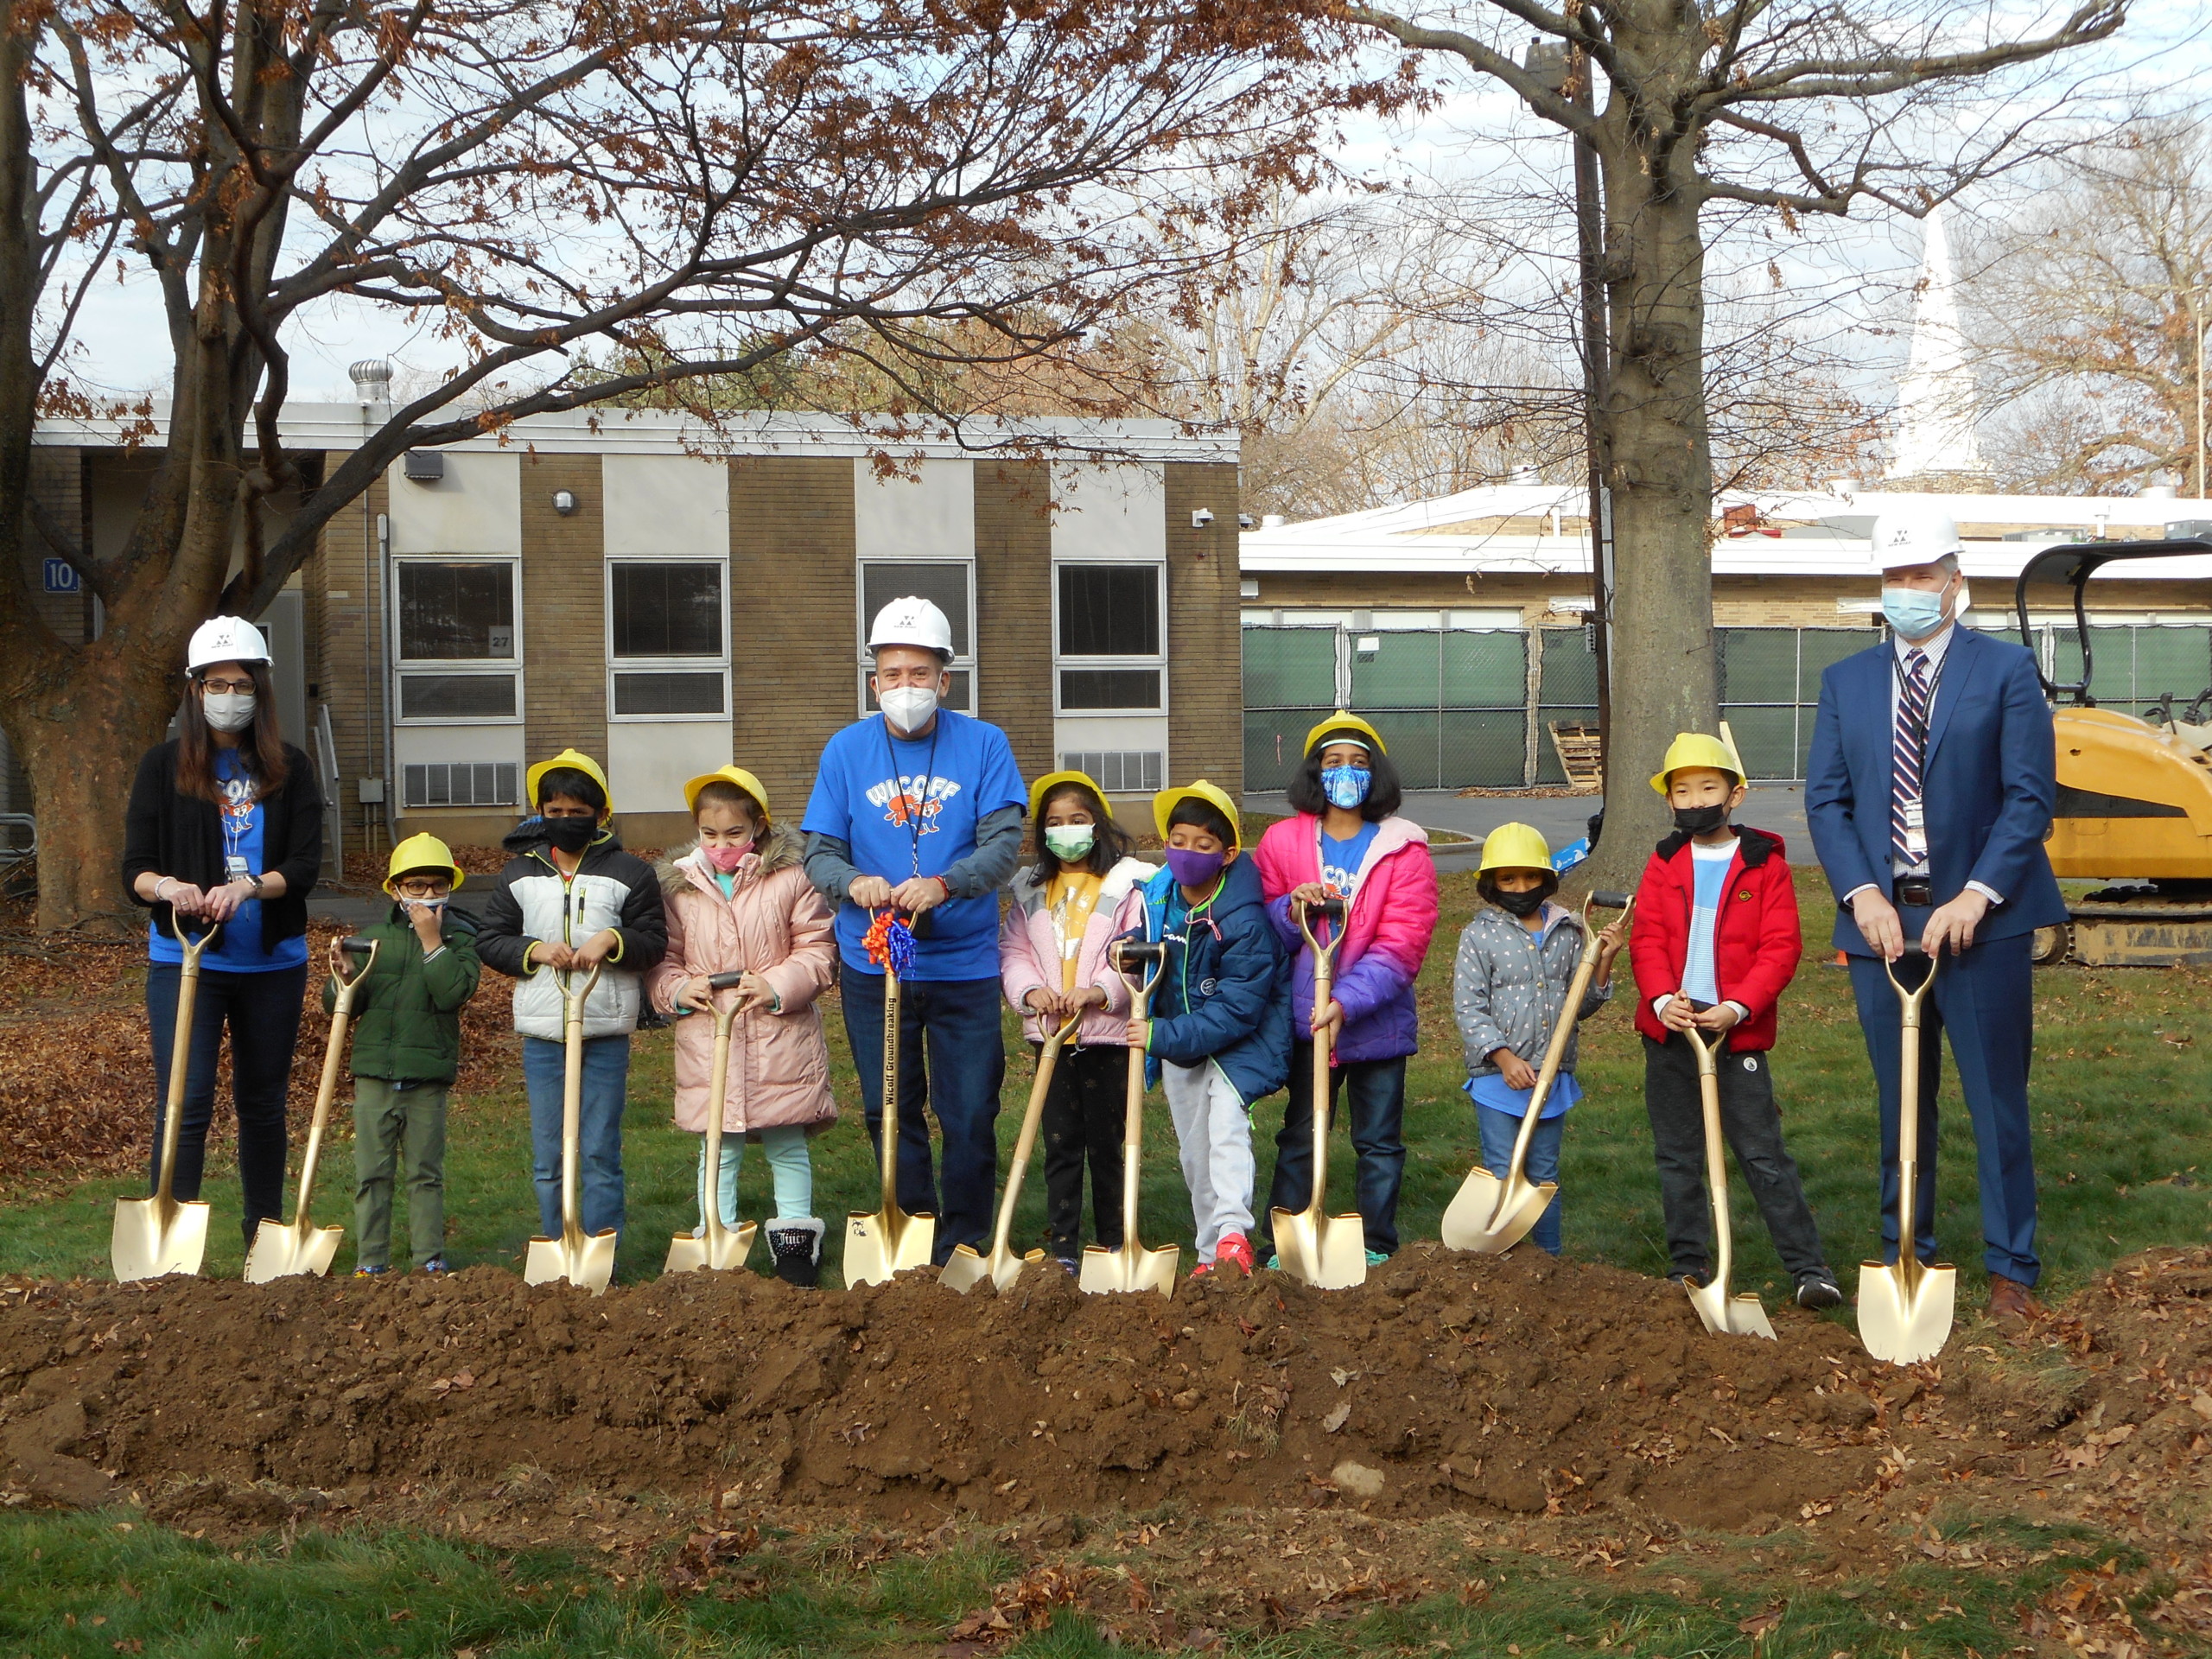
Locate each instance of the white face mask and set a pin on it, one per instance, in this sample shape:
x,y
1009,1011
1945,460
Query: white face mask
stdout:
x,y
909,707
228,711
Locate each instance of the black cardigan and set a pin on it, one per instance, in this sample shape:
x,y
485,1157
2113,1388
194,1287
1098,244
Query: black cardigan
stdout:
x,y
166,833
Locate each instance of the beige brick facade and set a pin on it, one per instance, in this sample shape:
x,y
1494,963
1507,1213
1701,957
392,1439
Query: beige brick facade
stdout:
x,y
1206,691
1013,607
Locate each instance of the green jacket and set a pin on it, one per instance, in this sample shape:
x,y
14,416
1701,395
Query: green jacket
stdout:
x,y
407,1014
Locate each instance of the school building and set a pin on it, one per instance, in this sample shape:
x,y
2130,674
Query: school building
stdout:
x,y
670,599
1459,625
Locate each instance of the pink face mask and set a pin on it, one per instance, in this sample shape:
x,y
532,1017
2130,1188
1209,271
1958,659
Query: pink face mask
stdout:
x,y
726,858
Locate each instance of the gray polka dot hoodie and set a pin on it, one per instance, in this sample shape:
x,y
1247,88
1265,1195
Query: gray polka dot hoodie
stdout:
x,y
1508,984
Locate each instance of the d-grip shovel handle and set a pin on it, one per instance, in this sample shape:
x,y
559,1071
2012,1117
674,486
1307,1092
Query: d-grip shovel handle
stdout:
x,y
728,981
1913,999
1330,910
1126,952
191,946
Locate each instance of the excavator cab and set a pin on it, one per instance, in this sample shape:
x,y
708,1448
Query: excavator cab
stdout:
x,y
2134,806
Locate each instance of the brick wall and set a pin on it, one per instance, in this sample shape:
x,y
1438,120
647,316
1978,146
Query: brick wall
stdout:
x,y
563,609
794,654
1013,607
1205,724
343,624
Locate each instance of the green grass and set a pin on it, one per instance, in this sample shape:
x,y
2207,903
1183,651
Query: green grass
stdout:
x,y
2121,1080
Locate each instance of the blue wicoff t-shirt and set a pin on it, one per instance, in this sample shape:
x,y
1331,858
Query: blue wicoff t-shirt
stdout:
x,y
1340,859
245,823
909,807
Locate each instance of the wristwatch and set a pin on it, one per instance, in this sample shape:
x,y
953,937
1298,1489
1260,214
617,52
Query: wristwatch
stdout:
x,y
254,881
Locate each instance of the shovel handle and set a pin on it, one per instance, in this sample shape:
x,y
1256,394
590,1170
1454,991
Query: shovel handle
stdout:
x,y
344,951
1331,911
1125,951
192,947
728,981
1912,999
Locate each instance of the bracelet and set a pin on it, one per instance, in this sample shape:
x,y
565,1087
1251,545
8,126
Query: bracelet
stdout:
x,y
162,882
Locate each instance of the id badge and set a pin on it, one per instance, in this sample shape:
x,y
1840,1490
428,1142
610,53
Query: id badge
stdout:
x,y
1915,831
234,867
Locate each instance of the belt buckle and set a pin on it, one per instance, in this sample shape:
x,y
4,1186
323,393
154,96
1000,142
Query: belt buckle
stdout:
x,y
1915,890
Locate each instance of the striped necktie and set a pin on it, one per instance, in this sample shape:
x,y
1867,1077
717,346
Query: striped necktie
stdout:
x,y
1910,751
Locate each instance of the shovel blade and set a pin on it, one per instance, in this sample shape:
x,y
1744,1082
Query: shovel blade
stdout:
x,y
1904,1326
1725,1315
1131,1267
713,1253
282,1252
887,1242
966,1269
586,1259
151,1238
1327,1252
1489,1216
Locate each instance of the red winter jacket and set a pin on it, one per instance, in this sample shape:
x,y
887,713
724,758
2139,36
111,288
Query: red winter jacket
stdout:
x,y
1756,941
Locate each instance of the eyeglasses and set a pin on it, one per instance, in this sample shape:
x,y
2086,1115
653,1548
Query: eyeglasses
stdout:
x,y
219,686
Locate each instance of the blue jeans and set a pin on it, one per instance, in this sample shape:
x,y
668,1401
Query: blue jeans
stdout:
x,y
607,1076
1499,1130
1377,1091
955,1022
263,1012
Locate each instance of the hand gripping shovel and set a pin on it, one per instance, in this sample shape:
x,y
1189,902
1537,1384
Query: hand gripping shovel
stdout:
x,y
966,1269
581,1258
1327,1252
1133,1267
1488,1216
162,1235
889,1241
279,1251
717,1246
1724,1315
1905,1311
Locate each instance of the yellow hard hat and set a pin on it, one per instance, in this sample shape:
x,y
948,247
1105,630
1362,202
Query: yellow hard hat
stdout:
x,y
737,775
1516,847
1052,780
1165,802
578,760
420,853
1697,749
1343,720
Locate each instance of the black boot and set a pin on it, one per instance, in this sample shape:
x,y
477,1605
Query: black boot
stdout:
x,y
797,1248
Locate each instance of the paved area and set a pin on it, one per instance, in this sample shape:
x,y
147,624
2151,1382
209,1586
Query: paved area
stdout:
x,y
347,906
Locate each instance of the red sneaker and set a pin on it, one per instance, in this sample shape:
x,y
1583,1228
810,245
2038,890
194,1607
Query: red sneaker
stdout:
x,y
1202,1270
1234,1248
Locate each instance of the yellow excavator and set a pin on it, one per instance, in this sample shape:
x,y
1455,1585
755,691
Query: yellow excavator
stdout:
x,y
2134,797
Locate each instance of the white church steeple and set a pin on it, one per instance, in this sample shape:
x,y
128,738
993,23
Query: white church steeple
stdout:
x,y
1937,400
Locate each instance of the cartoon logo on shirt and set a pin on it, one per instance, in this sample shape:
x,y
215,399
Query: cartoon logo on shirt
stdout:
x,y
914,800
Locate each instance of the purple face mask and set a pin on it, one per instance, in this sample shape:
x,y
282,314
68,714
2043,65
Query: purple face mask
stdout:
x,y
1194,869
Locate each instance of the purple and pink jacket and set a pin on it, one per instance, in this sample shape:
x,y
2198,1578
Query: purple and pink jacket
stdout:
x,y
1387,929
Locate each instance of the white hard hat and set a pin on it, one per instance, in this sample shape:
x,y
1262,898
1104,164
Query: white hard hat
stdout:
x,y
225,639
1915,538
911,621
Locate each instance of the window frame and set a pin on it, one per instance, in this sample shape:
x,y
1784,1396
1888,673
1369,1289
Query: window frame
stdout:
x,y
511,667
959,665
701,663
1156,662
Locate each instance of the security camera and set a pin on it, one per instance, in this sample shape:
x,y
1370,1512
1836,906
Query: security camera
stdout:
x,y
1201,516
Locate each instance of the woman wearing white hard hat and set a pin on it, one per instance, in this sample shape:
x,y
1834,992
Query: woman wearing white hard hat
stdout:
x,y
225,826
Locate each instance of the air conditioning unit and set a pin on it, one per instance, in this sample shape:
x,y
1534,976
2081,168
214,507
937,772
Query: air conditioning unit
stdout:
x,y
461,783
426,466
1121,771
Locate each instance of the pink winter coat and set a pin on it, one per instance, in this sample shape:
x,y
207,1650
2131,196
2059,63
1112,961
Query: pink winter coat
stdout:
x,y
1029,954
1387,932
776,925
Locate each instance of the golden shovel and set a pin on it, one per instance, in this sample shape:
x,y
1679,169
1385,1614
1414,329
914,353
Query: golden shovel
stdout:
x,y
887,1242
716,1246
966,1269
1327,1252
1132,1267
1724,1315
581,1258
1488,1216
163,1234
1905,1311
280,1251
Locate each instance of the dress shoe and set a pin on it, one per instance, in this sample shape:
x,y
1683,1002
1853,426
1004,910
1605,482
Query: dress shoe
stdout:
x,y
2011,1300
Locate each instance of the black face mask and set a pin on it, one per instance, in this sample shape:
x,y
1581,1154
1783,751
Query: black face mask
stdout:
x,y
1523,904
1701,820
570,834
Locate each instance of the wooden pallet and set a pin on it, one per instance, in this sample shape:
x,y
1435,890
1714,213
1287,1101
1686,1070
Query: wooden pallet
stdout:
x,y
1581,751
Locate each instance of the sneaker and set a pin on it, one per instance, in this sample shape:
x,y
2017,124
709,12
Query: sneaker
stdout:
x,y
369,1272
1687,1279
1202,1270
1817,1290
1236,1249
1275,1262
1376,1258
1071,1266
435,1264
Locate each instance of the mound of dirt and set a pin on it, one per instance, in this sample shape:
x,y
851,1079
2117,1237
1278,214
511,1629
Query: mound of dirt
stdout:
x,y
1448,1382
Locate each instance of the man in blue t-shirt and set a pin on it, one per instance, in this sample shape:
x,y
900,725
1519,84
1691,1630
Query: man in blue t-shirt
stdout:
x,y
919,809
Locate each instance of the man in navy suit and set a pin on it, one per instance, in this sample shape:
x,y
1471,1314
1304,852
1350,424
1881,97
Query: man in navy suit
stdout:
x,y
1927,793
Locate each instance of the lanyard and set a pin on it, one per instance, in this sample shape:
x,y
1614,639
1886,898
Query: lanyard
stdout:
x,y
929,779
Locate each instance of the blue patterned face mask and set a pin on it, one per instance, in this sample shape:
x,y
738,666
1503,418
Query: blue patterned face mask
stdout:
x,y
1346,786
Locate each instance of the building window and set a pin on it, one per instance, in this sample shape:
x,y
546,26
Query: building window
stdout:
x,y
459,647
1111,636
667,641
948,584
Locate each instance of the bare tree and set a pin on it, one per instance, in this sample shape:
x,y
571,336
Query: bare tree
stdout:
x,y
684,187
1798,107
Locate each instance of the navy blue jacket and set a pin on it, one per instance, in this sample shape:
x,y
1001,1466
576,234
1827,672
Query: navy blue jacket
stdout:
x,y
1224,992
1991,779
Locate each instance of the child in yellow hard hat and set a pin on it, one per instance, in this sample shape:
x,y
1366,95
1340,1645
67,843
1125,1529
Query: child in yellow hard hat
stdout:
x,y
1517,956
406,1053
1717,941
